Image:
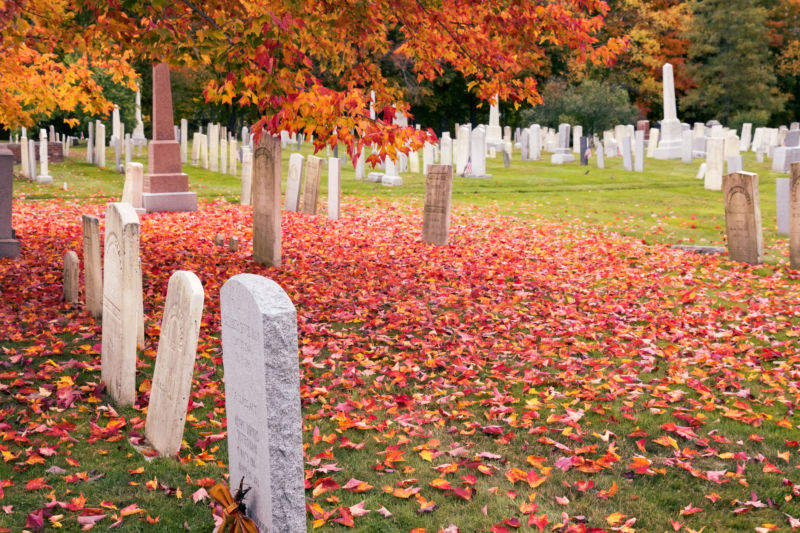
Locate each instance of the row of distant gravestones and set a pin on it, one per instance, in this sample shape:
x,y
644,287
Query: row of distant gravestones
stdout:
x,y
259,330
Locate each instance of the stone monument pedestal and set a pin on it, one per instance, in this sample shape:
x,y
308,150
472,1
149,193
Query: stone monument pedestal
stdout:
x,y
671,138
562,155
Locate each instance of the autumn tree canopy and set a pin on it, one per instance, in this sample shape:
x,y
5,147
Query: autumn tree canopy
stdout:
x,y
308,65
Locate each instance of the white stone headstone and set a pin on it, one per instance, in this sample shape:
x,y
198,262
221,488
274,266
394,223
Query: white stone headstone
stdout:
x,y
44,174
715,160
535,143
121,280
247,175
687,147
24,158
627,150
577,133
233,152
562,152
184,141
92,266
652,143
461,148
223,156
71,286
100,145
262,401
446,149
638,151
213,148
334,188
744,141
294,182
172,377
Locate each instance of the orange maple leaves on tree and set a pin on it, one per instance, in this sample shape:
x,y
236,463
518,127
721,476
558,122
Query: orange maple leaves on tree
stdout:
x,y
48,57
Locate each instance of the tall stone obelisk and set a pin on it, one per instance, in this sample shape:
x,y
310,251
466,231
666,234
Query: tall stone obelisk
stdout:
x,y
166,187
669,143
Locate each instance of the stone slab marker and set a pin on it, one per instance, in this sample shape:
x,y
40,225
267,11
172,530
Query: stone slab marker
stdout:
x,y
71,287
294,182
132,188
782,205
121,304
262,401
184,141
715,160
24,158
311,189
247,176
438,195
44,174
9,245
743,217
172,377
267,201
92,269
233,151
794,216
90,145
166,186
638,151
334,188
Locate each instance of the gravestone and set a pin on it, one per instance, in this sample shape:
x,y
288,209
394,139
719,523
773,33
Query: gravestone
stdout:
x,y
267,201
535,143
262,401
584,151
213,147
669,146
627,162
172,376
311,189
638,151
361,165
687,147
233,244
601,159
577,133
782,205
562,153
506,158
446,149
794,216
413,161
461,148
294,182
9,245
196,148
715,150
743,217
128,143
184,141
233,151
478,154
100,144
71,287
701,171
734,164
744,140
90,145
427,157
247,175
92,267
24,159
438,195
334,188
44,173
165,187
223,156
122,277
524,145
132,188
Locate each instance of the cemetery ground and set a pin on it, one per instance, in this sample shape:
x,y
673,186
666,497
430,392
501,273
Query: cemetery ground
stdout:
x,y
556,363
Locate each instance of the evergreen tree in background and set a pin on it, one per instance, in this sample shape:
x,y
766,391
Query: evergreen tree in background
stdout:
x,y
731,65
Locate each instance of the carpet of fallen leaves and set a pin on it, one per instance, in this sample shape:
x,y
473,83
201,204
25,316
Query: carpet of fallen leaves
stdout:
x,y
489,370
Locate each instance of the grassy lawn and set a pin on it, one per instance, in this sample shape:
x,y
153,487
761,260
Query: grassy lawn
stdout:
x,y
554,368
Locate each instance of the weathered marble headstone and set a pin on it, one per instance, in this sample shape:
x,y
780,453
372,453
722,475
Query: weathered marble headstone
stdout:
x,y
247,175
24,158
461,148
601,158
638,151
267,201
782,205
577,133
743,217
196,148
132,188
311,189
172,377
669,146
223,156
361,164
9,245
715,159
478,154
100,144
701,171
334,188
427,157
294,182
213,147
744,140
122,276
233,244
535,143
92,267
166,186
90,145
627,162
262,401
438,195
584,151
184,141
233,151
687,147
44,174
734,164
794,216
71,287
446,149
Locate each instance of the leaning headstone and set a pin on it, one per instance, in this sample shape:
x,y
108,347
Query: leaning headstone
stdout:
x,y
744,140
743,217
782,205
311,189
715,151
701,172
71,267
794,216
122,276
294,182
172,377
334,188
438,195
92,267
9,245
262,404
506,159
267,201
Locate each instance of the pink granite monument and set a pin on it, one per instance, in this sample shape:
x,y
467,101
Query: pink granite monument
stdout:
x,y
9,245
166,187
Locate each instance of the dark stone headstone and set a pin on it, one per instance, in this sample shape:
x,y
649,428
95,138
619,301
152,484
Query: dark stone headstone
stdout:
x,y
584,151
9,245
